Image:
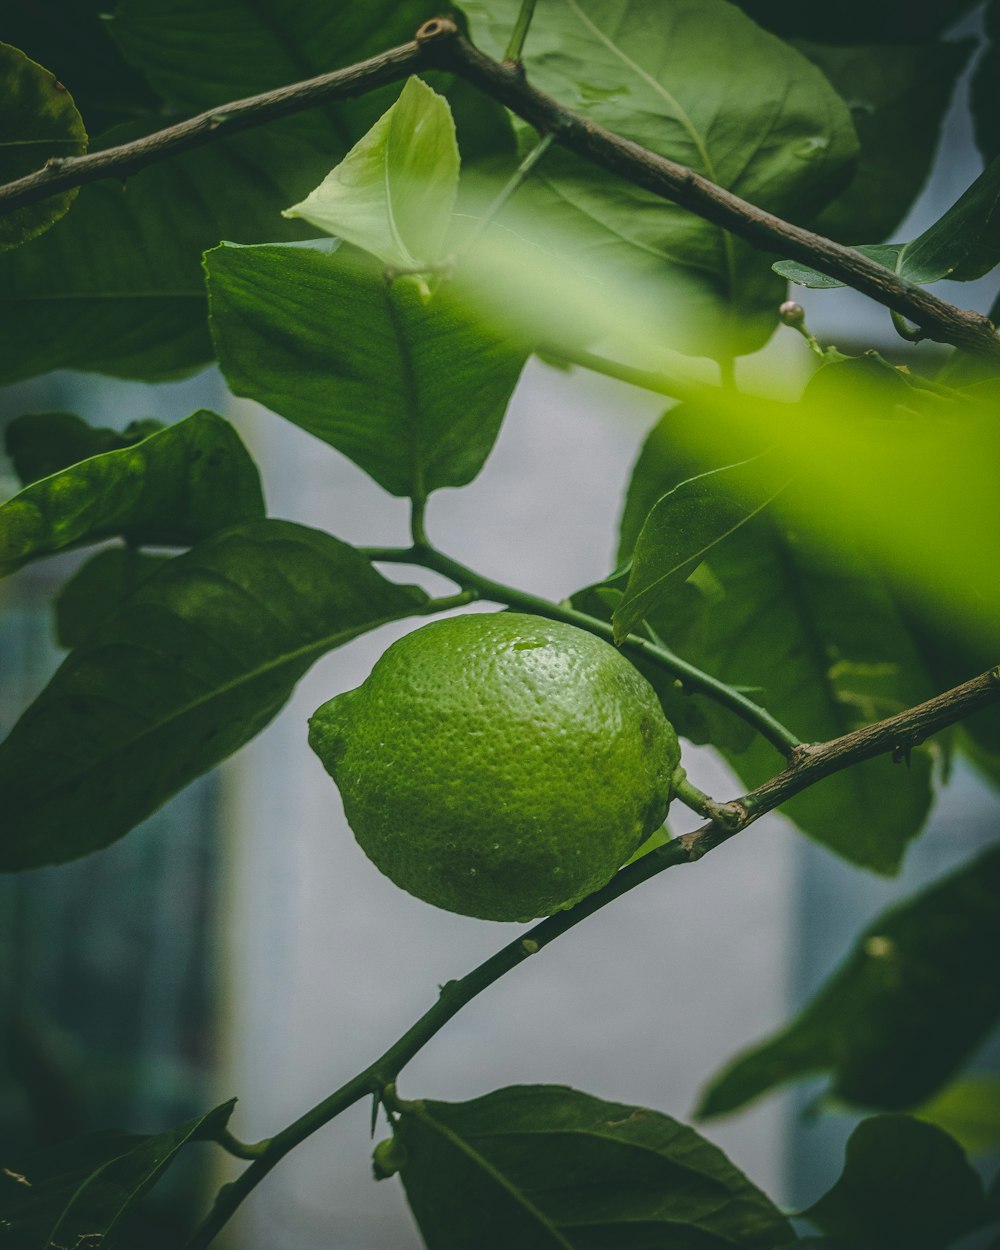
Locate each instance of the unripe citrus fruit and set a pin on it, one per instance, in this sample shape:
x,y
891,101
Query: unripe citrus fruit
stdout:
x,y
499,765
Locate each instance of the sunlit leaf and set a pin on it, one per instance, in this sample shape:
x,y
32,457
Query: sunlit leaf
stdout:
x,y
172,488
410,386
394,192
78,1193
39,122
194,663
541,1167
699,83
905,1186
902,1014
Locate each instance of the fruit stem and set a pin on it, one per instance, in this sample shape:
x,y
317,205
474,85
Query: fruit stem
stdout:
x,y
693,679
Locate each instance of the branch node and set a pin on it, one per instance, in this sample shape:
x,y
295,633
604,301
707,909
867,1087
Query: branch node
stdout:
x,y
436,30
802,754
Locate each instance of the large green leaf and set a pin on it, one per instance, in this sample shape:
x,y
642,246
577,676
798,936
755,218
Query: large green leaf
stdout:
x,y
902,1014
898,95
698,82
394,192
682,527
176,486
39,122
78,1193
813,630
410,387
196,661
905,1186
541,1167
42,443
97,590
117,287
962,245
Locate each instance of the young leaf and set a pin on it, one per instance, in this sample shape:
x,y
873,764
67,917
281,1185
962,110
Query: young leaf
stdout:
x,y
901,1015
698,82
962,245
905,1186
178,485
78,1192
682,528
411,388
39,122
194,663
545,1166
97,589
394,192
41,443
813,630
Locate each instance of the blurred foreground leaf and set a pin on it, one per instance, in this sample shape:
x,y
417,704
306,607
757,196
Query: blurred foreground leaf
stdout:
x,y
78,1194
905,1186
194,663
969,1110
546,1167
902,1014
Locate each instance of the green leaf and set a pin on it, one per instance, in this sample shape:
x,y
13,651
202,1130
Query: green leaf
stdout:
x,y
199,658
39,123
698,82
174,487
913,1000
79,1192
683,527
898,95
42,443
962,245
812,629
410,387
985,95
905,1186
969,1110
394,192
540,1167
98,588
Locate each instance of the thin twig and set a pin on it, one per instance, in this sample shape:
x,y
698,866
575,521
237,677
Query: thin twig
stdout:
x,y
127,158
808,765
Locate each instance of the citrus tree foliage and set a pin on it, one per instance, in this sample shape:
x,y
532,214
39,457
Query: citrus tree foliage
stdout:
x,y
795,575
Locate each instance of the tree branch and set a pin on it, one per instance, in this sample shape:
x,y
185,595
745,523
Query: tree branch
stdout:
x,y
127,158
439,43
808,765
448,49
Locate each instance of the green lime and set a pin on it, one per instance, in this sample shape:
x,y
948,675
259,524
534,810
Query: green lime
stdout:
x,y
501,765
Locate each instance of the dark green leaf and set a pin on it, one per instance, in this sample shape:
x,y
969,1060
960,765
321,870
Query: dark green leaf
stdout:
x,y
902,1014
541,1167
410,387
898,95
39,122
683,527
814,632
986,88
77,1194
95,592
72,39
42,443
174,487
962,245
695,81
857,21
196,661
905,1186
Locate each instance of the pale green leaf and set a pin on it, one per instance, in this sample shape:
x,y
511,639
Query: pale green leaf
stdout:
x,y
394,192
969,1110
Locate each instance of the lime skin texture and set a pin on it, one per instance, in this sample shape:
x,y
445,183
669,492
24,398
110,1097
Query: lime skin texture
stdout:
x,y
499,765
